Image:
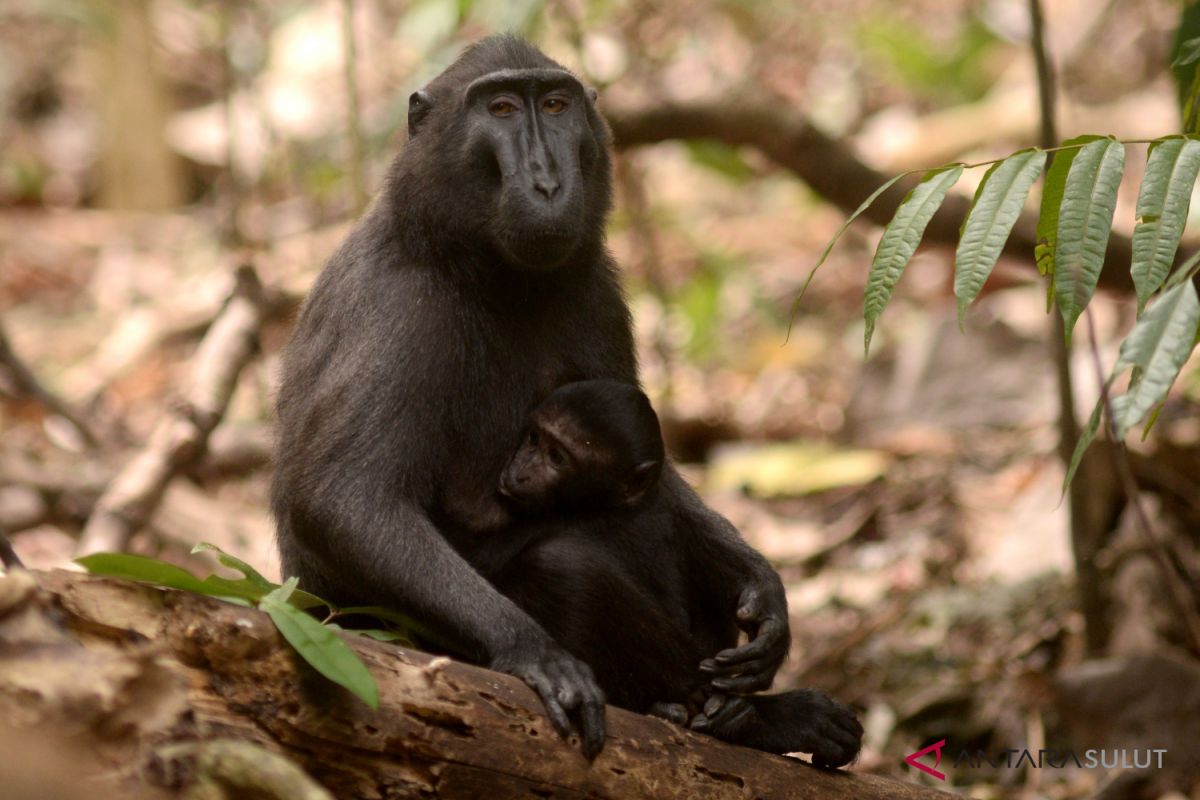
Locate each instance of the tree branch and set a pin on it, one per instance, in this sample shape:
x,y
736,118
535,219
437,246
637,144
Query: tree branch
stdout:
x,y
25,383
827,166
180,438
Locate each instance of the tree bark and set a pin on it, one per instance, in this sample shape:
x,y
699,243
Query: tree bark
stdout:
x,y
199,698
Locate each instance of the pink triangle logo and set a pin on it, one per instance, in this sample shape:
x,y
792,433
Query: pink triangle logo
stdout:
x,y
936,749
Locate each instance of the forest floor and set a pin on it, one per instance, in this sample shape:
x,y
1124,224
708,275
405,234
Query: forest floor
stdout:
x,y
911,502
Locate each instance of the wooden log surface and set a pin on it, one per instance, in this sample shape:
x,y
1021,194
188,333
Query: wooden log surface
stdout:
x,y
171,691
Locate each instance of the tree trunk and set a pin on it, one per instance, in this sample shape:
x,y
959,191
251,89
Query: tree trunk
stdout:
x,y
138,171
181,695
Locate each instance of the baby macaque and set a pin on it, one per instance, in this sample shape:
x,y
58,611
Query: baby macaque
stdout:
x,y
590,446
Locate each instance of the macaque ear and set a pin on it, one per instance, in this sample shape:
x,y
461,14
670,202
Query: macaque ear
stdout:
x,y
419,106
592,94
643,477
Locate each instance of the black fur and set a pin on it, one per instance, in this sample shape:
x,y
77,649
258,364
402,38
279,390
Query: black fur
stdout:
x,y
590,445
465,296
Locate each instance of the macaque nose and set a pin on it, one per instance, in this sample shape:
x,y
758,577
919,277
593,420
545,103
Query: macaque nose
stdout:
x,y
546,185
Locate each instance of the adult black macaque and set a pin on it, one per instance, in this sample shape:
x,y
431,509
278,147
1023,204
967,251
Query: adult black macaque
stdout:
x,y
476,285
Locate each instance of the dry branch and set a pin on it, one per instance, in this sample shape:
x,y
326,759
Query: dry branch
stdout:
x,y
25,384
827,166
8,556
156,675
180,438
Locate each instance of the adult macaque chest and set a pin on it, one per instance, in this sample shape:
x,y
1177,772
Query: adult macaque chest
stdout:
x,y
531,335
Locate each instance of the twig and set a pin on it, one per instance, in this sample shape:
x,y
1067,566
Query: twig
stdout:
x,y
1177,592
26,383
1047,86
180,438
8,556
173,322
846,529
1087,533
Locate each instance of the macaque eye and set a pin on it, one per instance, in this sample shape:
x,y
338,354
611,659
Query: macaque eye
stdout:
x,y
502,108
554,105
556,457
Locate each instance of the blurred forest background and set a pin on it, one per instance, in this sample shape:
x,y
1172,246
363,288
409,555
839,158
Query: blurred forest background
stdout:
x,y
912,501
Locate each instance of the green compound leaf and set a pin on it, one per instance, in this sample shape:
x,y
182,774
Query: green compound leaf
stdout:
x,y
1162,209
1157,349
900,239
320,646
998,203
1052,195
1084,221
829,247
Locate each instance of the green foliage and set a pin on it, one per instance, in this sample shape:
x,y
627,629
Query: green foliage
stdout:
x,y
1183,66
1086,437
720,158
956,70
1156,349
1078,202
699,302
889,183
1084,221
1189,53
150,570
22,175
253,577
900,239
997,204
1052,196
317,643
1162,209
319,646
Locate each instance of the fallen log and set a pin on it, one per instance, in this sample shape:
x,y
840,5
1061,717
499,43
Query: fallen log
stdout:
x,y
175,692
